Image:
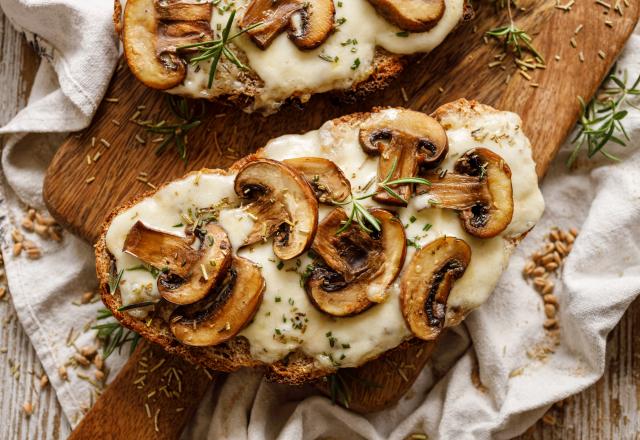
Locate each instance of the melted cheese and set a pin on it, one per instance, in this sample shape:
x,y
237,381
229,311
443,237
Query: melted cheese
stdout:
x,y
286,320
287,71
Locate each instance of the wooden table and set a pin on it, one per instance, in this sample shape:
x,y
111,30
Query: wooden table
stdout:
x,y
609,409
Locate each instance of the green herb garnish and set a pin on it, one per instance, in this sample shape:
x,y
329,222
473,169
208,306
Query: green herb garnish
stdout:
x,y
214,49
601,120
515,38
188,117
361,215
113,335
114,282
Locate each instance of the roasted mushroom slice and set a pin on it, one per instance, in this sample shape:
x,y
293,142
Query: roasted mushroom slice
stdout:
x,y
480,188
411,15
225,311
309,23
426,284
282,204
211,267
154,29
312,25
405,143
356,267
324,176
188,274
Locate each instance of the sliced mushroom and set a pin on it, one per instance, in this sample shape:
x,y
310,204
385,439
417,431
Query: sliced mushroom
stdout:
x,y
325,178
426,284
282,204
411,15
161,250
480,188
225,311
312,25
408,141
309,23
356,267
152,30
208,271
188,274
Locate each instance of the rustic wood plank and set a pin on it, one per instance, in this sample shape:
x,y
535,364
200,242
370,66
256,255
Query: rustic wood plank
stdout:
x,y
140,402
582,417
20,369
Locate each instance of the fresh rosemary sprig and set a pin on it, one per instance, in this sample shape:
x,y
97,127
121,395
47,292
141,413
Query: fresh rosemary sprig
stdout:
x,y
513,37
361,215
601,120
338,390
189,117
214,49
114,281
113,335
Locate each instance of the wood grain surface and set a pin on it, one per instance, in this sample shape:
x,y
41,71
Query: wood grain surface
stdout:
x,y
607,410
151,398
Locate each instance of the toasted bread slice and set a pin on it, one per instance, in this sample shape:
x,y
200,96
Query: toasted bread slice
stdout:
x,y
482,125
266,74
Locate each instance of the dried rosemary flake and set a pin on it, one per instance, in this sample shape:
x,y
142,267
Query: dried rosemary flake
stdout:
x,y
90,179
105,143
113,100
525,75
405,97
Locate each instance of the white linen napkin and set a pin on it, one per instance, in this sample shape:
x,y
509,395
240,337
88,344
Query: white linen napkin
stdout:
x,y
600,279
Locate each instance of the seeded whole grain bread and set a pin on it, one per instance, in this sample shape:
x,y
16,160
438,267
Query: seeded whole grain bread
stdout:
x,y
386,67
235,354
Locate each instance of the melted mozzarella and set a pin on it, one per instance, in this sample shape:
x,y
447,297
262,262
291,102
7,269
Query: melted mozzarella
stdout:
x,y
286,320
287,71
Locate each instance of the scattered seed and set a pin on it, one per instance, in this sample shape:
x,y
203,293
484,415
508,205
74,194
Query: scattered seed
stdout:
x,y
550,310
62,372
27,407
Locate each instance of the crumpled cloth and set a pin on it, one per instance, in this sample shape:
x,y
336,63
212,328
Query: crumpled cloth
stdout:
x,y
601,277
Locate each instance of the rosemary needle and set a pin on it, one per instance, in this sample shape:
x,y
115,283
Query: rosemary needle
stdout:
x,y
601,119
361,215
214,49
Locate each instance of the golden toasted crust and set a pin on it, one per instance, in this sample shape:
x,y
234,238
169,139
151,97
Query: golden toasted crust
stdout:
x,y
235,354
387,66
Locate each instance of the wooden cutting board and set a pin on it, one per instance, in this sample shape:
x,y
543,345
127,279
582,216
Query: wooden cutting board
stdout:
x,y
548,104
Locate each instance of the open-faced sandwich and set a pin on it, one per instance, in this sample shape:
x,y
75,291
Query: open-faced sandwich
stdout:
x,y
259,53
325,250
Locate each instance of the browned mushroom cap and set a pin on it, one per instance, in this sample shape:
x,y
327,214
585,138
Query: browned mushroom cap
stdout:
x,y
324,176
187,274
312,25
409,141
426,284
208,271
282,204
309,23
225,311
357,267
153,29
411,15
480,188
161,250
